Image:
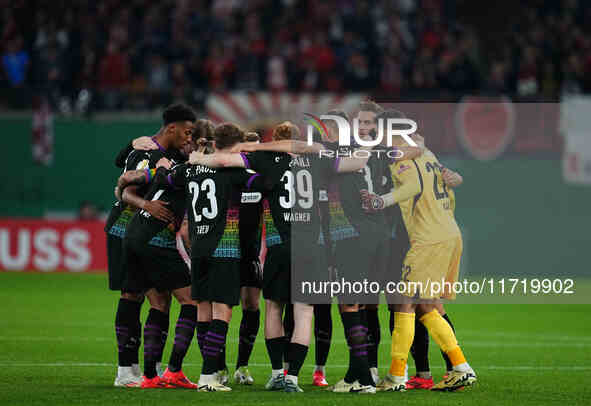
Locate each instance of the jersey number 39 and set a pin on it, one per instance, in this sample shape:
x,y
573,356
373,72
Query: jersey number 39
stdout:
x,y
299,187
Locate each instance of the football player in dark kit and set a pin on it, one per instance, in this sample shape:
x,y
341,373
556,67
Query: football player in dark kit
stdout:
x,y
213,197
250,230
358,248
167,142
163,269
128,371
292,232
361,238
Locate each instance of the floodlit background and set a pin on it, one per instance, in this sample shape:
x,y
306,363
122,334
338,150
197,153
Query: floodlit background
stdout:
x,y
499,90
80,79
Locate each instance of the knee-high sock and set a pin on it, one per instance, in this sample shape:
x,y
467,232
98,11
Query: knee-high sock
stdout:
x,y
444,336
275,349
249,328
402,336
184,331
448,364
322,332
356,335
202,329
350,375
214,341
222,359
420,347
137,341
126,330
165,327
288,326
153,332
374,337
297,355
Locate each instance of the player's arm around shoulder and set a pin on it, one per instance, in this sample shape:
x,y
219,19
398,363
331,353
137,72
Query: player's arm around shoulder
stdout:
x,y
352,163
406,153
286,146
136,177
217,159
408,179
142,176
129,193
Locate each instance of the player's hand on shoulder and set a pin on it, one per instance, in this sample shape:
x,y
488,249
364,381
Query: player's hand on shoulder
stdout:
x,y
144,144
159,210
163,163
451,178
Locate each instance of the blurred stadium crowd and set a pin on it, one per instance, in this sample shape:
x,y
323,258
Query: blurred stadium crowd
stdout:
x,y
140,54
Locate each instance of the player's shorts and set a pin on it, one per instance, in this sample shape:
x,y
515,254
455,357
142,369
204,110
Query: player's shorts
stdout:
x,y
216,280
250,274
431,267
309,274
363,259
277,275
115,262
153,267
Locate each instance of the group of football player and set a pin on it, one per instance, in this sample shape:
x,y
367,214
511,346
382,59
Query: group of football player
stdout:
x,y
195,204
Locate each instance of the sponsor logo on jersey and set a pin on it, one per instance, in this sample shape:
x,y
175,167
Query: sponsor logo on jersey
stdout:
x,y
250,197
323,195
143,164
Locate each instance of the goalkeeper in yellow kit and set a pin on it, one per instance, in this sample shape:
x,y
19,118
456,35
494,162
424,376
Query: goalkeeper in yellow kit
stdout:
x,y
426,207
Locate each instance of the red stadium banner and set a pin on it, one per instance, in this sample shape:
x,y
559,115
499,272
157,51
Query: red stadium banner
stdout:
x,y
52,246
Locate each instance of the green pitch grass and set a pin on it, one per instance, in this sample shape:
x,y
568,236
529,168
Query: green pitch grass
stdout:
x,y
57,347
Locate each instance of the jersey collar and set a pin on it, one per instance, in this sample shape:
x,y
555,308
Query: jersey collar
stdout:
x,y
160,147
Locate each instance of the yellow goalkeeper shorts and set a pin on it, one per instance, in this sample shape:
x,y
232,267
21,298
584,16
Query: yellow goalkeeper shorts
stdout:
x,y
428,271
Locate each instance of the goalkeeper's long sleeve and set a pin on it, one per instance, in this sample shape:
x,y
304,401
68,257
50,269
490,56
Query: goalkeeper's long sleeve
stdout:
x,y
401,193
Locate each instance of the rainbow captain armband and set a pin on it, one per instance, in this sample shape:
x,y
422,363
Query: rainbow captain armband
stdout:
x,y
150,173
